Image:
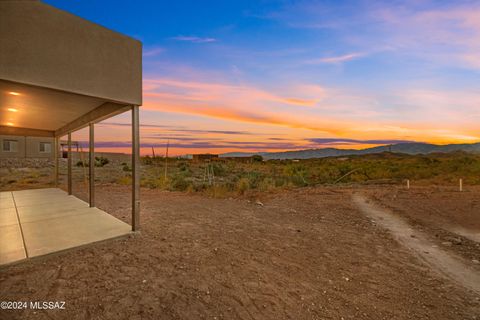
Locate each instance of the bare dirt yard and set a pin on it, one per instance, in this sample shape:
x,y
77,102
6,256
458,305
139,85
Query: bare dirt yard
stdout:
x,y
300,254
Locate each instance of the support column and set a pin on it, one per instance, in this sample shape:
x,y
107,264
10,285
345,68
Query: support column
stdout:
x,y
135,169
69,164
55,161
91,166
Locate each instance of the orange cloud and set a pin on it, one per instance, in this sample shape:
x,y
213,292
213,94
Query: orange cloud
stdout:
x,y
336,113
203,91
331,127
300,102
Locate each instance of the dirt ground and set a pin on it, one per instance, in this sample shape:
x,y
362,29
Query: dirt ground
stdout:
x,y
302,254
450,217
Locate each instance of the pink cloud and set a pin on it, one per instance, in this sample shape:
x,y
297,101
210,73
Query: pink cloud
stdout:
x,y
336,59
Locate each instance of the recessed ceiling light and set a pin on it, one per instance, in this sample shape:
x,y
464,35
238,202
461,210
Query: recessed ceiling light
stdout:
x,y
13,93
9,124
12,109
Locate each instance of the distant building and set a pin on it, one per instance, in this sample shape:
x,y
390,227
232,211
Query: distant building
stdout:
x,y
248,159
64,148
204,157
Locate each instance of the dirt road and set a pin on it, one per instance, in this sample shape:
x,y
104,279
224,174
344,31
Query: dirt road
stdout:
x,y
305,254
451,266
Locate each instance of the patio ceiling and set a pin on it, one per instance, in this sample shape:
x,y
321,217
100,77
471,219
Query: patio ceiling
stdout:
x,y
27,106
37,111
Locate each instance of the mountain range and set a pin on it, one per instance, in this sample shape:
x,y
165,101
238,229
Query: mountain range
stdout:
x,y
406,148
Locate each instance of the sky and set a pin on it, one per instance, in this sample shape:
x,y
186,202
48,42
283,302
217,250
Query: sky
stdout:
x,y
256,76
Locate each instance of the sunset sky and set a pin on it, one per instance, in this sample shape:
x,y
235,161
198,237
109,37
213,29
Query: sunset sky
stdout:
x,y
223,76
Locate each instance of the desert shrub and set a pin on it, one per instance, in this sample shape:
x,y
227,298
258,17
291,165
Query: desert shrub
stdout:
x,y
257,158
243,184
267,184
147,160
101,161
219,170
190,188
183,166
156,183
125,180
297,173
126,168
81,163
179,183
218,191
254,179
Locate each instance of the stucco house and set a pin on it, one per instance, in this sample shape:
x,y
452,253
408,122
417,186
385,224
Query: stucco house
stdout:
x,y
60,73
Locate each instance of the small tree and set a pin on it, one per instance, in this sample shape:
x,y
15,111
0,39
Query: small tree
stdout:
x,y
257,158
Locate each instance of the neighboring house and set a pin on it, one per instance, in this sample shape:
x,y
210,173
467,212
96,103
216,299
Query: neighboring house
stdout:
x,y
248,159
204,157
26,147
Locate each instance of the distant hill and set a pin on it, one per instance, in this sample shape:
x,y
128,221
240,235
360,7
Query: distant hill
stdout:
x,y
407,148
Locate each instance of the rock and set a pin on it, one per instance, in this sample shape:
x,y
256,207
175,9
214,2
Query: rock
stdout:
x,y
447,243
454,240
475,261
259,203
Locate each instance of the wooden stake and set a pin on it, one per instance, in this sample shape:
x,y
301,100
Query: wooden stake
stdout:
x,y
166,159
408,184
460,185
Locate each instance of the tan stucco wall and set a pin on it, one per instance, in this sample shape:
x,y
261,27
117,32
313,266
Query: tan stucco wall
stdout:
x,y
20,147
44,46
28,147
33,147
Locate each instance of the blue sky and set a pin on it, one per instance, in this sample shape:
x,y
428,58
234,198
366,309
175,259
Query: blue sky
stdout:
x,y
306,73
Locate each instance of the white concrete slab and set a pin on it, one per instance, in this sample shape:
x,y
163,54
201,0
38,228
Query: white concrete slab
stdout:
x,y
34,213
38,191
6,203
51,221
8,217
11,244
56,234
57,200
5,194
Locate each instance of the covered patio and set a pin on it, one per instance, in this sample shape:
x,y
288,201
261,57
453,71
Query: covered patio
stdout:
x,y
61,73
42,221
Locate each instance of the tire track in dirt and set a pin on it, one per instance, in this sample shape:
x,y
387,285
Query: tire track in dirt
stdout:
x,y
446,264
474,236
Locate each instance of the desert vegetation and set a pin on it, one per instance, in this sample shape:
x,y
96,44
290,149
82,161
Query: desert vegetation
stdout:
x,y
219,178
229,177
